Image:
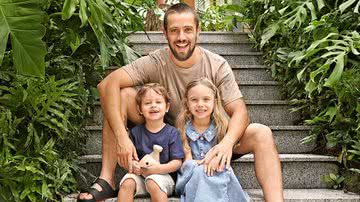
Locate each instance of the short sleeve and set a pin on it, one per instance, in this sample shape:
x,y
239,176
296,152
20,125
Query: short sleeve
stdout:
x,y
226,83
142,70
176,149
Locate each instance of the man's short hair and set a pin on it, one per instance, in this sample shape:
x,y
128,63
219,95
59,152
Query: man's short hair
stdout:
x,y
180,8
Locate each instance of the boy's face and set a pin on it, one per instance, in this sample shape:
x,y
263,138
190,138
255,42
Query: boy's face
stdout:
x,y
182,35
153,106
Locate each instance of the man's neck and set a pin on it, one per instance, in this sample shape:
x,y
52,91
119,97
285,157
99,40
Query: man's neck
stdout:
x,y
196,56
154,126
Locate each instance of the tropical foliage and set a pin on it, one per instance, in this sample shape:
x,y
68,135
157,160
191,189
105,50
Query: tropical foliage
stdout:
x,y
221,17
52,55
313,49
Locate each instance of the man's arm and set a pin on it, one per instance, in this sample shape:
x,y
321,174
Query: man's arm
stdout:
x,y
238,123
109,91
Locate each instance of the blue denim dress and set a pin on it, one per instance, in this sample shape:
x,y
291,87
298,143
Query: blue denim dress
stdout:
x,y
194,185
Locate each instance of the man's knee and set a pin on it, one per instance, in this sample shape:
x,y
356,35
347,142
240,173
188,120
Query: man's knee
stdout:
x,y
126,93
262,135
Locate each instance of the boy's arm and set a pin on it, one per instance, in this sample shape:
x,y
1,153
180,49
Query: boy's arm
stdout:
x,y
165,168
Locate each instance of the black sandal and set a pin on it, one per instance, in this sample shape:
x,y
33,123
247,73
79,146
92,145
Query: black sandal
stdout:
x,y
106,192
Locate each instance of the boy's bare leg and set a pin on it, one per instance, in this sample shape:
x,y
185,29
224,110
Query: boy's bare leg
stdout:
x,y
155,192
258,139
109,157
127,191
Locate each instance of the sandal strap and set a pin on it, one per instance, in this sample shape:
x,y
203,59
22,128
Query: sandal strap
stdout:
x,y
106,191
104,184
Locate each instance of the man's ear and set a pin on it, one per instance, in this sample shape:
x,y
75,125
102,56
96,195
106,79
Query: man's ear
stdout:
x,y
198,31
164,32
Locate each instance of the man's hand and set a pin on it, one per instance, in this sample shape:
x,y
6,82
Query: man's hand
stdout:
x,y
217,157
126,153
136,168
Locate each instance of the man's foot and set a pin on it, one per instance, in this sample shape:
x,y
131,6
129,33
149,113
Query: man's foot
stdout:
x,y
100,190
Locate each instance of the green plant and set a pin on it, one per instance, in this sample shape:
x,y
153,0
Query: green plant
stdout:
x,y
313,49
42,118
333,180
21,20
34,115
221,18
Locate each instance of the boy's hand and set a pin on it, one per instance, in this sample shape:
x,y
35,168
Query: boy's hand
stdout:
x,y
153,169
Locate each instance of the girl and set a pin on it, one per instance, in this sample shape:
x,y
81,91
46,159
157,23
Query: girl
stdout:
x,y
202,124
153,102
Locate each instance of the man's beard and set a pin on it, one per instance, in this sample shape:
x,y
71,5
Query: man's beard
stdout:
x,y
185,57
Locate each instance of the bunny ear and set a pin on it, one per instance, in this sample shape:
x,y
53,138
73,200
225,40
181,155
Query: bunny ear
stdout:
x,y
157,148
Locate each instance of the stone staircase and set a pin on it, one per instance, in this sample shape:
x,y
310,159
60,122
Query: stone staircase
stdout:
x,y
301,170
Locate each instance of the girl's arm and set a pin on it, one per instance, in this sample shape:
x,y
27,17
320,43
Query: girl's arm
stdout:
x,y
188,155
165,168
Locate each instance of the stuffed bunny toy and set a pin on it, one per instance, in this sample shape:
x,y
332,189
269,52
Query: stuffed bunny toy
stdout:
x,y
151,159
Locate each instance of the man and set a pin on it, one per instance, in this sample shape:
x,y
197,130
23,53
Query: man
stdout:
x,y
174,67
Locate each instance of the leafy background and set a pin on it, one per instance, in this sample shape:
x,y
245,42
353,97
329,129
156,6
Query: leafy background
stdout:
x,y
313,50
52,55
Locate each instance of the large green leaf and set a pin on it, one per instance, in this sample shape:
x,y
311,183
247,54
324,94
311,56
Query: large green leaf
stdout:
x,y
337,71
69,8
21,20
346,4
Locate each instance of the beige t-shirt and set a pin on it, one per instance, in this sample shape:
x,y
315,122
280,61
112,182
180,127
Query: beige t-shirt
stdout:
x,y
157,67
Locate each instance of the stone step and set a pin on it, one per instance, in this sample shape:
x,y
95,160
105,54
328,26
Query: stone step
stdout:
x,y
251,73
260,90
205,37
271,112
243,58
287,138
268,112
145,47
290,195
299,171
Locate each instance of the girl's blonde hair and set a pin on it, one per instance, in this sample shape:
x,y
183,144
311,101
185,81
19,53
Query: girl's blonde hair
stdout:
x,y
219,115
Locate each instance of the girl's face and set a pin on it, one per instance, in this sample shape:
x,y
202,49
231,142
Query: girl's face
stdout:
x,y
153,106
200,102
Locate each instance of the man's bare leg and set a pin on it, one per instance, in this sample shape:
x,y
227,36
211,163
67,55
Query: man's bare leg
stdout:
x,y
109,157
258,139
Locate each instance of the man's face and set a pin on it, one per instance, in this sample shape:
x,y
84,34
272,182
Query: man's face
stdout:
x,y
181,34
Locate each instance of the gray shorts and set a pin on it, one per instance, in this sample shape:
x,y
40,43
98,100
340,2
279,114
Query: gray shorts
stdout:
x,y
164,181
